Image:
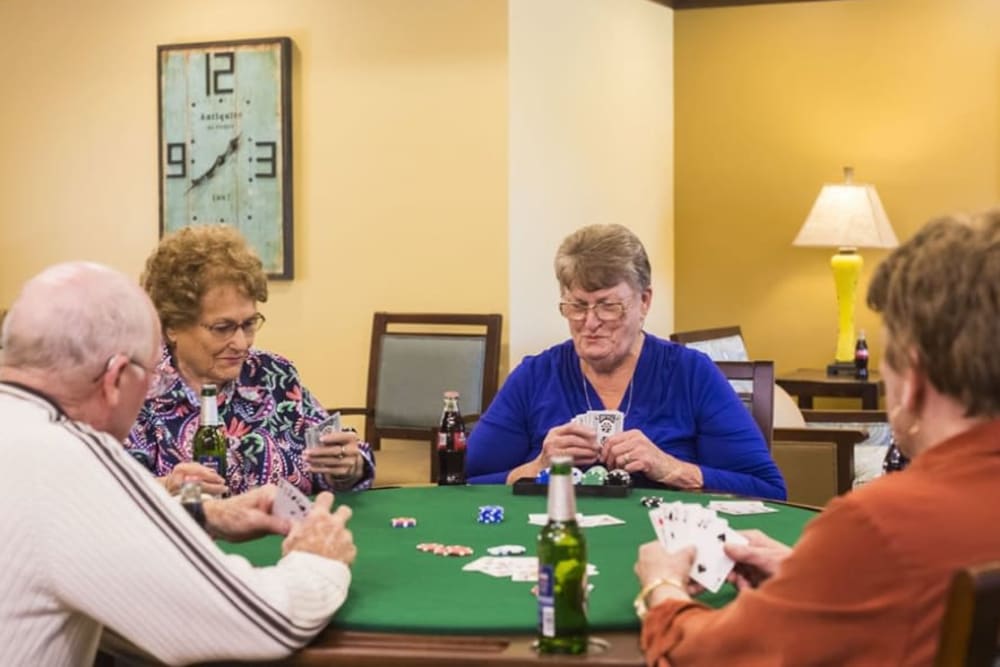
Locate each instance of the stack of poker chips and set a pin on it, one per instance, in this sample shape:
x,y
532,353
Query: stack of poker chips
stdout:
x,y
595,476
403,522
439,549
490,514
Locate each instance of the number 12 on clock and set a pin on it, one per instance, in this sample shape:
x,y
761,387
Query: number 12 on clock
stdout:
x,y
225,142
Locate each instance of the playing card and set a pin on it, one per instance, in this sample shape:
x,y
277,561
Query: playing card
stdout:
x,y
290,503
740,507
711,564
606,423
316,431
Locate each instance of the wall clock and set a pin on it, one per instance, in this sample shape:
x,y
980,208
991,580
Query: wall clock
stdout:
x,y
226,141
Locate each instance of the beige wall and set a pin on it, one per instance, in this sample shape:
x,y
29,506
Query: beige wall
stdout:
x,y
771,101
400,149
591,141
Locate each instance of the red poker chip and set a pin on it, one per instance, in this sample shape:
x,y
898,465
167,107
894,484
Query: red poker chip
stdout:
x,y
457,550
440,549
429,546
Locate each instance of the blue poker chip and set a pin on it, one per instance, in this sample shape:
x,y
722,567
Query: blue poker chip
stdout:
x,y
490,514
542,477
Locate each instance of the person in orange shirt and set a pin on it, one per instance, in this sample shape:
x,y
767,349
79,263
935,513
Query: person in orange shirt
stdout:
x,y
866,584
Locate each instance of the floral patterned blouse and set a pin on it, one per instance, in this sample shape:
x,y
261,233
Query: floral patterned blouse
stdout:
x,y
264,413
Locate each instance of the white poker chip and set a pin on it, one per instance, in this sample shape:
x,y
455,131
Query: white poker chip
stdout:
x,y
506,550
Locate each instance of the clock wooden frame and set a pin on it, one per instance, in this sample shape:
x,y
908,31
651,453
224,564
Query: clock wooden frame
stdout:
x,y
225,141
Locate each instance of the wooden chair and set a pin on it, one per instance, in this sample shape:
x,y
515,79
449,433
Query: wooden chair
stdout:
x,y
760,398
971,623
414,359
720,343
819,462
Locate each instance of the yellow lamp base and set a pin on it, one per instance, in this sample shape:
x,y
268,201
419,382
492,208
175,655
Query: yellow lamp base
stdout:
x,y
846,265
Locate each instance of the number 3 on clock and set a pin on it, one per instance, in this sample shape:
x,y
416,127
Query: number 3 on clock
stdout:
x,y
225,142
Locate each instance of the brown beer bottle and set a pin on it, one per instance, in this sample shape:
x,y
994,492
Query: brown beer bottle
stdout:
x,y
451,443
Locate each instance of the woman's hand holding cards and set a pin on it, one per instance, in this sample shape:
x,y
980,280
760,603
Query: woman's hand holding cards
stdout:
x,y
757,560
573,439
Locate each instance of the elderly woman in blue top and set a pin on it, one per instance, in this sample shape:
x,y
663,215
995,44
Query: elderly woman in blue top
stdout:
x,y
205,282
684,426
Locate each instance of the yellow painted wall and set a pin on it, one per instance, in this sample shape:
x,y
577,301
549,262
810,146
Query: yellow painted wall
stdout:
x,y
400,155
772,100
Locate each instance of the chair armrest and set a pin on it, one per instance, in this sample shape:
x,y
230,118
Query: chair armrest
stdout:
x,y
351,411
846,416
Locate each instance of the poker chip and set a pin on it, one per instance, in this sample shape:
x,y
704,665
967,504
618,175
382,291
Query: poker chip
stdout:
x,y
456,550
403,522
506,550
429,547
491,514
542,477
577,475
618,477
595,476
651,501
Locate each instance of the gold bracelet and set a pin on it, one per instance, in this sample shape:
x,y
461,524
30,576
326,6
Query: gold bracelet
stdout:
x,y
640,600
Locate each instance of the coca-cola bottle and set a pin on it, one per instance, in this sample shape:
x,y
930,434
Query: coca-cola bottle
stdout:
x,y
894,460
451,443
861,357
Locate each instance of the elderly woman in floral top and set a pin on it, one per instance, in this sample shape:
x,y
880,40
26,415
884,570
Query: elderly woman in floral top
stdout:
x,y
205,283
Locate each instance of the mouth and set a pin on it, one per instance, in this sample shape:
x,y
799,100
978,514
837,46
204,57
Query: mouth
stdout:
x,y
232,360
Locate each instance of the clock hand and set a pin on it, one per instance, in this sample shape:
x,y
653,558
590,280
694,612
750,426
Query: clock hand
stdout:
x,y
231,148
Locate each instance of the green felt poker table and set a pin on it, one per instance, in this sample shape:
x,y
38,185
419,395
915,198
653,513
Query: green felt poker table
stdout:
x,y
409,606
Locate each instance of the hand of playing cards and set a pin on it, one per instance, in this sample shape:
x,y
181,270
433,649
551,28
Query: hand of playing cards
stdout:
x,y
315,432
680,525
605,422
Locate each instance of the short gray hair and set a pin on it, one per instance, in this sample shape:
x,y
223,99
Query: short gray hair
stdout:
x,y
601,256
72,317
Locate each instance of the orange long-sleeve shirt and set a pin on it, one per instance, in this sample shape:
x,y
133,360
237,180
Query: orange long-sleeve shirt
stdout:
x,y
866,583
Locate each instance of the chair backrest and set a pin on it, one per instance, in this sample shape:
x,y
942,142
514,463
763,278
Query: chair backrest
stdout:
x,y
720,344
760,398
415,357
971,623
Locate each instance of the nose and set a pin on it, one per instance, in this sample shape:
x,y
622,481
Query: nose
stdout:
x,y
241,340
591,321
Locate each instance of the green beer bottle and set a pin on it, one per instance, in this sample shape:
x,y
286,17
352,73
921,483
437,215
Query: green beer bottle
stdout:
x,y
209,447
562,568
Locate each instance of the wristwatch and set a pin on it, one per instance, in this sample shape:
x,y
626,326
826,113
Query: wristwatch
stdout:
x,y
190,498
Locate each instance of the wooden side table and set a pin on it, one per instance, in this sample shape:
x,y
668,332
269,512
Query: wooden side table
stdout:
x,y
807,383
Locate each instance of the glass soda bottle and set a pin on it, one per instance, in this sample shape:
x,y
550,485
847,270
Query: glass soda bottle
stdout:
x,y
451,443
209,448
562,568
861,357
894,460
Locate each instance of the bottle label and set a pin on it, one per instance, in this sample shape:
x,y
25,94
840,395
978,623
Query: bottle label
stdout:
x,y
546,601
562,498
214,463
209,411
457,441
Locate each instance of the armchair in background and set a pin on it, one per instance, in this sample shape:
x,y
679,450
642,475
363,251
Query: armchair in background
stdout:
x,y
970,629
416,357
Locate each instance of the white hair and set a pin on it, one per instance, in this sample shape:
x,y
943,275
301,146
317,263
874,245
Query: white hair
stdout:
x,y
72,318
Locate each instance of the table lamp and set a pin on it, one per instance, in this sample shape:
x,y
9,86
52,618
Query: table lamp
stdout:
x,y
846,216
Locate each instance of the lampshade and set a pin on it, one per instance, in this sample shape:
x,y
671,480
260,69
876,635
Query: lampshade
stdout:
x,y
847,215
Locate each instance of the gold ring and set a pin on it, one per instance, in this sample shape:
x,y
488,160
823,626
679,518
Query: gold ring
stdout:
x,y
340,454
627,457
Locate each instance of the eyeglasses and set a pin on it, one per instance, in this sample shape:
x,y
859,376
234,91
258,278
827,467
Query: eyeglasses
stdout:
x,y
605,311
153,373
227,329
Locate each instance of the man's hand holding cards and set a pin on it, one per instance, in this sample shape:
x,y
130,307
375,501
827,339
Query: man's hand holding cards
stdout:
x,y
678,525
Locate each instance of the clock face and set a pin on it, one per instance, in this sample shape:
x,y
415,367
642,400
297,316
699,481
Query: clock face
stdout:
x,y
225,142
